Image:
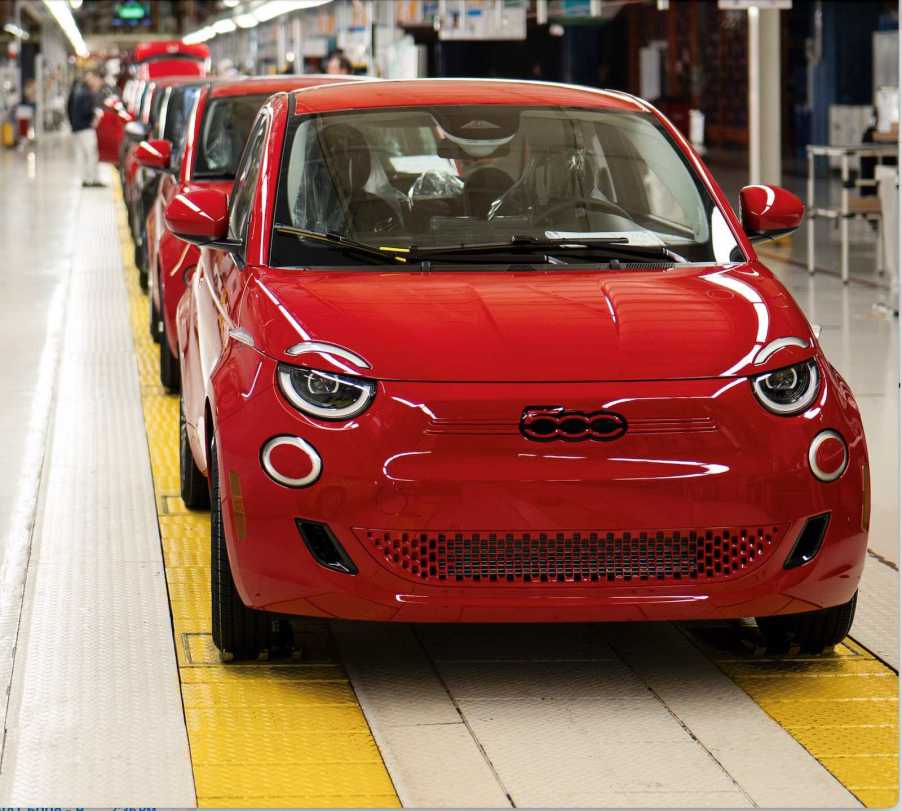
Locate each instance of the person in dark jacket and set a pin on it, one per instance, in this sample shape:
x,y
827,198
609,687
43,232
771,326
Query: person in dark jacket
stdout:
x,y
82,108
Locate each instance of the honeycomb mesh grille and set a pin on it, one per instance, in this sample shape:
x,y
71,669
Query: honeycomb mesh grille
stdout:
x,y
572,557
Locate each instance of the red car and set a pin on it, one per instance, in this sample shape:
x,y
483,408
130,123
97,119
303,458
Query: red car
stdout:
x,y
152,60
204,132
485,351
139,187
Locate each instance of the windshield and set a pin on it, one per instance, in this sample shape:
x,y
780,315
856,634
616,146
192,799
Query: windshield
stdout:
x,y
444,176
175,126
224,129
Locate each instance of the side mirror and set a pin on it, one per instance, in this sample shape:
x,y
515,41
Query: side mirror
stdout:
x,y
769,212
136,130
154,154
200,216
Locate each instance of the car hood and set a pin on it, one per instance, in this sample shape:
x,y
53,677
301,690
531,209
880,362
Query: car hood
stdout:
x,y
688,322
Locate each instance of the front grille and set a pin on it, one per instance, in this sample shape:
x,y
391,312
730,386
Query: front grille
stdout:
x,y
501,427
572,557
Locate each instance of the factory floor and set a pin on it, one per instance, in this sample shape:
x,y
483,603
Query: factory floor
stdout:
x,y
111,693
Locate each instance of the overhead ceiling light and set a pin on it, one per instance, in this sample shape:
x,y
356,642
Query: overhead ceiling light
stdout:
x,y
245,20
230,3
76,4
201,35
275,8
18,33
60,11
223,26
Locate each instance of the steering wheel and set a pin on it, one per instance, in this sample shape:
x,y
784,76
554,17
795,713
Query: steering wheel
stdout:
x,y
575,202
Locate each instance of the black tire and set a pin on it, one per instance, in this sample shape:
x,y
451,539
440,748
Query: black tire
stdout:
x,y
239,632
813,631
140,253
155,324
170,373
194,486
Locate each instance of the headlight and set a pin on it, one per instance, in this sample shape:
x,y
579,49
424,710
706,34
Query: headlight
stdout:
x,y
789,390
324,394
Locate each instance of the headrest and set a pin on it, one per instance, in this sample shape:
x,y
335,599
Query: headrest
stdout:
x,y
348,156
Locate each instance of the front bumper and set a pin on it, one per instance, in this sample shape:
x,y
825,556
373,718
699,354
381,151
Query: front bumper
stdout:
x,y
449,459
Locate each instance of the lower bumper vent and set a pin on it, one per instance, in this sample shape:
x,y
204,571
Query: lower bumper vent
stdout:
x,y
572,557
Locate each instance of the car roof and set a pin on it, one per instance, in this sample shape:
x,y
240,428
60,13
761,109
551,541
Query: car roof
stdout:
x,y
256,85
174,81
430,92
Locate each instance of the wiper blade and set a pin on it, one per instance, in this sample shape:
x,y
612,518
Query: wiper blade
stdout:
x,y
612,247
385,254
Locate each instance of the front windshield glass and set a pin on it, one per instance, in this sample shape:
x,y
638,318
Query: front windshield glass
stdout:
x,y
223,131
445,176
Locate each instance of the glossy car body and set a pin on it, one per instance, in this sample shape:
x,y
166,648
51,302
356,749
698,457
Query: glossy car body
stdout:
x,y
139,187
170,260
153,60
442,505
161,58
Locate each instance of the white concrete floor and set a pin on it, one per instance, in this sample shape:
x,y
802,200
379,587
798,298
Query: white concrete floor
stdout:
x,y
473,710
89,692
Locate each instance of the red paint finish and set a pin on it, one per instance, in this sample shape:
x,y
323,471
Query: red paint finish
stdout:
x,y
830,456
170,58
198,215
110,129
154,154
170,260
154,60
449,511
769,210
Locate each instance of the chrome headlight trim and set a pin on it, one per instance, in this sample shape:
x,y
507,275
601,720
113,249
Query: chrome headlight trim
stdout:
x,y
804,400
816,443
316,463
366,388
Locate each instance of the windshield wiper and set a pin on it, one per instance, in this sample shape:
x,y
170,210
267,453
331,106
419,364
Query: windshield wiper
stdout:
x,y
615,248
387,255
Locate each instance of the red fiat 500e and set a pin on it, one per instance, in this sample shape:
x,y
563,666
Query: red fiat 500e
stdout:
x,y
501,351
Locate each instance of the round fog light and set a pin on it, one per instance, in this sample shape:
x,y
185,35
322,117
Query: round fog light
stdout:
x,y
828,456
290,461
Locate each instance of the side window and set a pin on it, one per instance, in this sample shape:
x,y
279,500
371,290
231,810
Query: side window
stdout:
x,y
246,180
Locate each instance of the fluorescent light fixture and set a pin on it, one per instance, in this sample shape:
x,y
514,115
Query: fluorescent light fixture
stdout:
x,y
201,35
18,33
230,3
223,26
275,8
62,13
245,20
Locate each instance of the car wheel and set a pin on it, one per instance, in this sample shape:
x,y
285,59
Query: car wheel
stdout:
x,y
170,374
155,322
194,486
812,631
239,632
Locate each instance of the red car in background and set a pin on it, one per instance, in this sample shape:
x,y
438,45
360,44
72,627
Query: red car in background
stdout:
x,y
152,60
139,186
201,154
485,351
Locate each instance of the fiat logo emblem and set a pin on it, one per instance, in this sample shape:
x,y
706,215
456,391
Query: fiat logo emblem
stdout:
x,y
548,423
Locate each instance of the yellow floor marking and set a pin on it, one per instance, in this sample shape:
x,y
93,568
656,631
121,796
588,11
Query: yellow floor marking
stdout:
x,y
293,735
842,707
274,734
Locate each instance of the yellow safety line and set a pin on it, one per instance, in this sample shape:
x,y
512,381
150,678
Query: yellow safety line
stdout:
x,y
843,707
267,734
